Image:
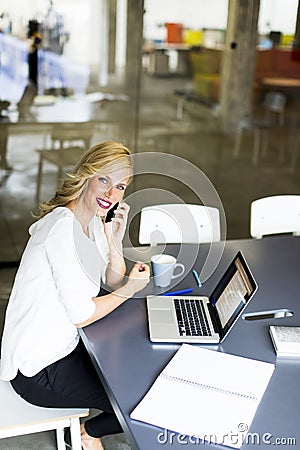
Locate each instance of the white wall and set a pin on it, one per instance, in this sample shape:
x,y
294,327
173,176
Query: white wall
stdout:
x,y
77,16
279,15
83,22
205,14
80,19
20,12
121,33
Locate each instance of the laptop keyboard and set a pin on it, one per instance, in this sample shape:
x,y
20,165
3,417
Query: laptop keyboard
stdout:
x,y
191,317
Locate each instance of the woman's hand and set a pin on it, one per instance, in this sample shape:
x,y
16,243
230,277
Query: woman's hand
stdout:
x,y
115,229
139,277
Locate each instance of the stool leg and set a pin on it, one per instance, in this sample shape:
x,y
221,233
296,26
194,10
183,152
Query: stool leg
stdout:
x,y
60,441
39,180
295,153
59,177
75,434
256,146
179,109
265,142
237,143
281,148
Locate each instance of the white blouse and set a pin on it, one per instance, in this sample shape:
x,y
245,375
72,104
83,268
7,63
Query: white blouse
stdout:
x,y
53,291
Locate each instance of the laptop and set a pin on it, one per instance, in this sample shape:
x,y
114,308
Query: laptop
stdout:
x,y
203,320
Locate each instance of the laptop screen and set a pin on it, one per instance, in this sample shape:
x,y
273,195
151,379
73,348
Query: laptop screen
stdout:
x,y
232,293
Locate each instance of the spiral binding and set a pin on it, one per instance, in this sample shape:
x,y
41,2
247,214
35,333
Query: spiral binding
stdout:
x,y
207,387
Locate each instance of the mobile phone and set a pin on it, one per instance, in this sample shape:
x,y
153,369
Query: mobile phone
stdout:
x,y
111,213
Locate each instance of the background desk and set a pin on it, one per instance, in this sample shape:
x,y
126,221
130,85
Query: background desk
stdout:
x,y
289,86
77,111
128,363
161,61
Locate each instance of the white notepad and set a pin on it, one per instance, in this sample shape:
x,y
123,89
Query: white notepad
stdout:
x,y
206,394
286,340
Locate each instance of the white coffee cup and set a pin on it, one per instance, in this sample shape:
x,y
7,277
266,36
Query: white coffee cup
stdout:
x,y
163,267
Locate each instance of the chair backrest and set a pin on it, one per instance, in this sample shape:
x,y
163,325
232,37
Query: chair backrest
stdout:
x,y
275,101
67,135
275,215
179,223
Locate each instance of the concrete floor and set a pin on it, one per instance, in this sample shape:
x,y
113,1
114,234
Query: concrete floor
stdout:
x,y
47,441
195,137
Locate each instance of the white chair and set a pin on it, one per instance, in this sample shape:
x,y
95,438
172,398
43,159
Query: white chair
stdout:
x,y
275,215
18,417
179,223
274,107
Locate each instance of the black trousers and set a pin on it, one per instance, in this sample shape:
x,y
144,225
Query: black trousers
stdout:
x,y
71,382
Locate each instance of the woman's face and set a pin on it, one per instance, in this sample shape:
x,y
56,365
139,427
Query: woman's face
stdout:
x,y
104,191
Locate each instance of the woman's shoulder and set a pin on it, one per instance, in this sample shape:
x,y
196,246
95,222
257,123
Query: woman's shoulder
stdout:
x,y
61,212
60,217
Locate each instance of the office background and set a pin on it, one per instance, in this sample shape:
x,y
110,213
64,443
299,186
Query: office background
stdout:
x,y
151,110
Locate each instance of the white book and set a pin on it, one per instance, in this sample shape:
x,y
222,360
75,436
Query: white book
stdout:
x,y
208,395
286,340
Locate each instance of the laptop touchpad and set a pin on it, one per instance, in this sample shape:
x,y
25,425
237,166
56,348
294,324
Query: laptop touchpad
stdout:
x,y
162,316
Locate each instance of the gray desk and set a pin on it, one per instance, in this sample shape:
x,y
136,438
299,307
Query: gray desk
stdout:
x,y
128,363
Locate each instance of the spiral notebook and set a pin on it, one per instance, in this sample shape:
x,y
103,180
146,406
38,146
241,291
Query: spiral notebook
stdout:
x,y
205,394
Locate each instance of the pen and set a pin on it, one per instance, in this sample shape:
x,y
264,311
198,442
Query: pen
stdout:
x,y
197,278
183,291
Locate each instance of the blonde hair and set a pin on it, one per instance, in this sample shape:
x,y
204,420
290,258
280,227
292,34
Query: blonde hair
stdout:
x,y
106,157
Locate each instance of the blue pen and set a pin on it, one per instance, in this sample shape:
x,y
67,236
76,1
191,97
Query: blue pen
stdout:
x,y
183,291
197,278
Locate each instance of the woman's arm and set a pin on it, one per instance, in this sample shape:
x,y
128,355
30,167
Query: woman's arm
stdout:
x,y
115,231
116,268
137,280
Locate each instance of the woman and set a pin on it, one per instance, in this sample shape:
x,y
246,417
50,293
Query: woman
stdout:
x,y
55,290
